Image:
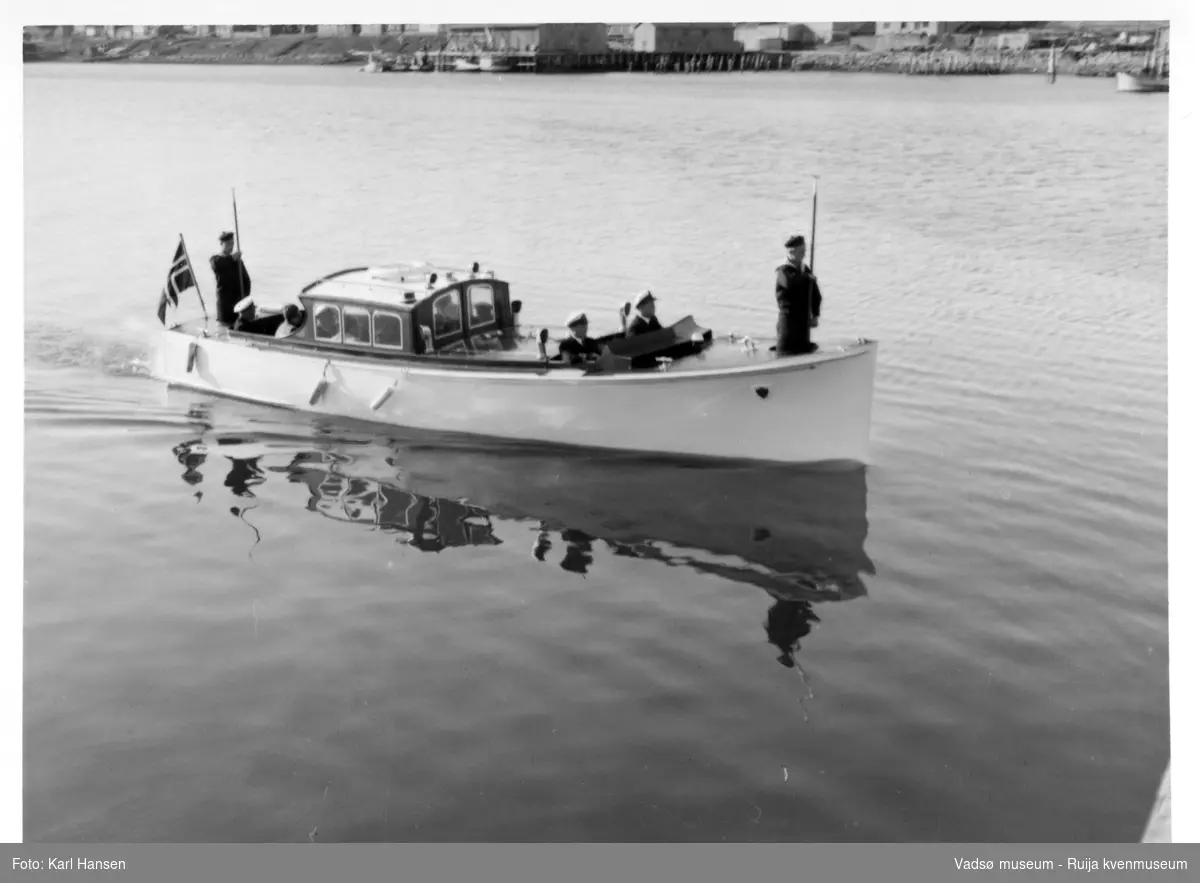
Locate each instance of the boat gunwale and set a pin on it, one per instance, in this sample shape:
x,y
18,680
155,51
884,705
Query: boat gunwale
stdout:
x,y
484,367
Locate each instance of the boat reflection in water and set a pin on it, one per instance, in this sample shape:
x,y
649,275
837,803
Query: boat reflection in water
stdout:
x,y
797,534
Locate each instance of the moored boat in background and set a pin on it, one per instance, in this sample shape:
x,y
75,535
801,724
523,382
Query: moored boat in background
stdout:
x,y
493,62
1153,77
1142,83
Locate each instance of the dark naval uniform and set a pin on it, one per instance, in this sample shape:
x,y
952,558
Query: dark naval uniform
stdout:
x,y
225,268
575,350
799,299
642,325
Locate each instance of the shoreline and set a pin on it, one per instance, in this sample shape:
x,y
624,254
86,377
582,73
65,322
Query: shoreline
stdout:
x,y
308,50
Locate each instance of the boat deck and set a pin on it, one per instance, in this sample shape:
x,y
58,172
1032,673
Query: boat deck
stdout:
x,y
723,355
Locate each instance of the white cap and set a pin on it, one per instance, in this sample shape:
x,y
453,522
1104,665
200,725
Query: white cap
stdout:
x,y
643,297
576,317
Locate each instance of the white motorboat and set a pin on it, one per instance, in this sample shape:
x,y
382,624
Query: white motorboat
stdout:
x,y
437,349
377,63
492,62
1142,83
1153,77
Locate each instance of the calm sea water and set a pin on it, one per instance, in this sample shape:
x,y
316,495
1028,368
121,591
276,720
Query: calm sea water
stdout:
x,y
246,625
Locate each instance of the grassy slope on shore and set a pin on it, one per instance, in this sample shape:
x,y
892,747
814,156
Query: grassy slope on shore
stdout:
x,y
285,49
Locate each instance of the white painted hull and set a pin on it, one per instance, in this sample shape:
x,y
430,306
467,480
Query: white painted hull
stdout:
x,y
817,408
1136,83
494,64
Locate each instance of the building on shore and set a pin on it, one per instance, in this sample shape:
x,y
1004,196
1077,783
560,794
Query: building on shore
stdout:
x,y
668,37
114,32
545,39
338,30
916,28
288,30
48,33
819,32
774,36
1011,41
394,30
620,36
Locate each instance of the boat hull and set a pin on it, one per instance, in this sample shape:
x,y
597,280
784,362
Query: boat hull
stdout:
x,y
797,409
1136,83
495,64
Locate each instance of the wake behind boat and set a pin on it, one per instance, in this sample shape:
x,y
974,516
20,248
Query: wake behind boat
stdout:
x,y
441,349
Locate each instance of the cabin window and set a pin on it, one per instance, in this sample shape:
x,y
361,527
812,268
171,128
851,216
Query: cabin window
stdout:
x,y
482,301
389,330
328,323
357,325
447,315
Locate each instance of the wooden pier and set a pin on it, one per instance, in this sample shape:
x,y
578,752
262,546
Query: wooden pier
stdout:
x,y
610,62
942,63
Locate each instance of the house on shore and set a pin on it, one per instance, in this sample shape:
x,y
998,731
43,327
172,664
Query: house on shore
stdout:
x,y
773,36
690,37
542,39
397,30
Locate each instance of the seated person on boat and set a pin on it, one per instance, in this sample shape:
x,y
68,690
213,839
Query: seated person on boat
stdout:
x,y
645,321
578,347
293,318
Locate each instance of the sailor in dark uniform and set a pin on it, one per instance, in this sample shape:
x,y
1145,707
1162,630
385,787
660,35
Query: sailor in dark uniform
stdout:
x,y
578,347
225,267
645,321
799,299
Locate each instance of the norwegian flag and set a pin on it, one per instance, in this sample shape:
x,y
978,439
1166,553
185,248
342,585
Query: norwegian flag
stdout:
x,y
179,279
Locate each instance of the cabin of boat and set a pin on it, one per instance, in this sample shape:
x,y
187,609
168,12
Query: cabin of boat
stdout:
x,y
415,312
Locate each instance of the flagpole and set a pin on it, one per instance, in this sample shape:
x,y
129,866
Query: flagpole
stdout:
x,y
195,279
812,248
237,245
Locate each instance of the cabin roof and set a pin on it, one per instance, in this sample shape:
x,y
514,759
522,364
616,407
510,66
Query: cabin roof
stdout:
x,y
387,284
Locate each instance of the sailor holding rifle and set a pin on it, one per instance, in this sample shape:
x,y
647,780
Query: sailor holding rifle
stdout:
x,y
228,267
799,298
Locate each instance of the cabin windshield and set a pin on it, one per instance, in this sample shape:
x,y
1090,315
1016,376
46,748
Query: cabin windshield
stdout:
x,y
482,303
447,314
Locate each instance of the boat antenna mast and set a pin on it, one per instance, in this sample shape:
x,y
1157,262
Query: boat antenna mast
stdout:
x,y
812,248
237,245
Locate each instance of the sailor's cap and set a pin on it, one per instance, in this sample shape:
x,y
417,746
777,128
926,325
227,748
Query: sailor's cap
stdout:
x,y
575,318
225,237
643,297
793,241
